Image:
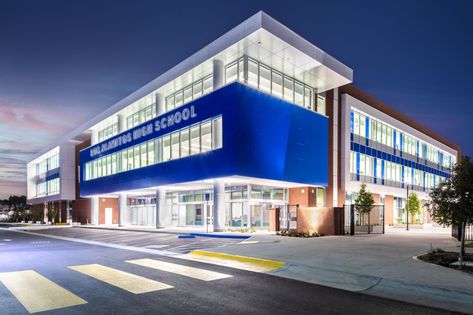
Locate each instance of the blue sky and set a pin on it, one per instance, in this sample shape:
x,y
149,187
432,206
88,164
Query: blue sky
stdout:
x,y
62,62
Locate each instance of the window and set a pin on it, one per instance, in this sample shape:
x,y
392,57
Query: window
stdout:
x,y
166,148
206,135
252,72
201,137
299,94
265,78
276,87
289,89
175,145
231,72
185,143
321,107
195,139
143,155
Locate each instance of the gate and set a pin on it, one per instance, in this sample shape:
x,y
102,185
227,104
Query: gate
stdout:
x,y
364,223
288,217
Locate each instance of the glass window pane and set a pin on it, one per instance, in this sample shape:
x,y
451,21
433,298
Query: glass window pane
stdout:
x,y
175,145
130,159
289,89
124,161
264,78
276,83
208,84
151,154
231,73
188,94
206,136
178,99
252,72
185,143
144,152
170,103
195,139
136,157
321,108
166,148
197,89
299,94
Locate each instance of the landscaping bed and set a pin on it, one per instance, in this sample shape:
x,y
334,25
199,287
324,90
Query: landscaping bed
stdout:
x,y
444,258
292,233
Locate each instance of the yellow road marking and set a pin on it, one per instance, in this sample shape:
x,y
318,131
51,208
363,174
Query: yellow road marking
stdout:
x,y
123,280
37,293
235,261
196,273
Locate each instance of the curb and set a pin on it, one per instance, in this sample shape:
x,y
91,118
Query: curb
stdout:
x,y
244,237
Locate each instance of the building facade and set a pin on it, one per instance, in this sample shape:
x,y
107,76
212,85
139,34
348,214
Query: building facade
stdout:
x,y
256,121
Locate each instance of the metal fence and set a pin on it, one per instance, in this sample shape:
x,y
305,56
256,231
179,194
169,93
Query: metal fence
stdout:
x,y
457,232
288,217
364,223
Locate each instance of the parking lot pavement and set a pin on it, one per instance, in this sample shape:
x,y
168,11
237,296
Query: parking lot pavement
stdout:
x,y
158,241
54,276
381,265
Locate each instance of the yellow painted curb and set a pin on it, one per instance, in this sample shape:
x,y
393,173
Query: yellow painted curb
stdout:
x,y
243,262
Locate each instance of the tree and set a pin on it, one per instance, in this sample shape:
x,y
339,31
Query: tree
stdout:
x,y
414,205
452,200
364,202
52,212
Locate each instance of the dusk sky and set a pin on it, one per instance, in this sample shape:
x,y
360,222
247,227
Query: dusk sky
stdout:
x,y
62,62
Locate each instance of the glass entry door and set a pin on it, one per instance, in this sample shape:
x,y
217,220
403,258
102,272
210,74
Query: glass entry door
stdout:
x,y
260,215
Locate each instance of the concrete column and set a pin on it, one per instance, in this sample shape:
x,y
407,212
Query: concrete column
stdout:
x,y
219,206
122,210
121,123
218,74
160,104
163,216
94,210
94,137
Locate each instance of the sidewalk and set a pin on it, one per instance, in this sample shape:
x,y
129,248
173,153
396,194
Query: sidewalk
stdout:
x,y
380,265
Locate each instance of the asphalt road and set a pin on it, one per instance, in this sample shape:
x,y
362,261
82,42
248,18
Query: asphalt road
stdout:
x,y
241,292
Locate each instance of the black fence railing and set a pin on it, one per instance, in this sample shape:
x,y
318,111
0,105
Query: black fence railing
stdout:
x,y
364,223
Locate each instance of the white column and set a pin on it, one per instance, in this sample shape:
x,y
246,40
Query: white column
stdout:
x,y
160,104
218,74
94,137
121,123
335,149
163,216
94,210
219,206
122,210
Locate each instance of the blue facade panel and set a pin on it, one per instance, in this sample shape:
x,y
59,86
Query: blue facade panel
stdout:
x,y
263,137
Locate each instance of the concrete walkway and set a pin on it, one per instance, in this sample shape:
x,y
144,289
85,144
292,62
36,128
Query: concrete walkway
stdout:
x,y
380,265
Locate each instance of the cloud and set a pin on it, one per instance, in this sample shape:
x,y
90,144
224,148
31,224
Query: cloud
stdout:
x,y
31,118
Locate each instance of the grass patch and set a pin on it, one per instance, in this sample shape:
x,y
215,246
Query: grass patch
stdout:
x,y
469,245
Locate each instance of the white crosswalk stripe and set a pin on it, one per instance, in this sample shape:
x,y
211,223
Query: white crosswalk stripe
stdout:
x,y
123,280
192,272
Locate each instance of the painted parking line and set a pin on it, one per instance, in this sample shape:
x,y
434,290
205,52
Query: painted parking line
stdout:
x,y
234,261
37,293
192,272
123,280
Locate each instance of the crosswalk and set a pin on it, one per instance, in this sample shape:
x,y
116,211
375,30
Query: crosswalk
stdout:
x,y
37,293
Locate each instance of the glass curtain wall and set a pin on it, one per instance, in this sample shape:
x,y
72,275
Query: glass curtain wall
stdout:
x,y
248,206
272,81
